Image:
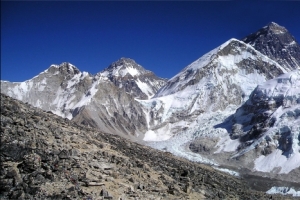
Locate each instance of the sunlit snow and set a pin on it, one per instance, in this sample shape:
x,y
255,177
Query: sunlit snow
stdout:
x,y
203,126
231,172
146,89
284,191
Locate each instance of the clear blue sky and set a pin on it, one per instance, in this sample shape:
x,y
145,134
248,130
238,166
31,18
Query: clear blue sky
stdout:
x,y
163,37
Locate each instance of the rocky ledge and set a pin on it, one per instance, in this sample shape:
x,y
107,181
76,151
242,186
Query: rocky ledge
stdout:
x,y
44,156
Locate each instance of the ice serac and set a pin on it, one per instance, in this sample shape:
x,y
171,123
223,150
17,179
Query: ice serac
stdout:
x,y
224,76
270,122
277,43
133,78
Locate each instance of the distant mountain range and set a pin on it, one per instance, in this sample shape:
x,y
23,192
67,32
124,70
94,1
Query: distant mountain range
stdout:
x,y
237,105
105,100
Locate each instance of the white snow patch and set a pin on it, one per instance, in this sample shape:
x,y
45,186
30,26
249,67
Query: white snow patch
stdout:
x,y
226,144
228,171
144,88
59,113
42,85
154,136
284,191
279,32
277,160
90,94
292,43
38,103
131,70
122,71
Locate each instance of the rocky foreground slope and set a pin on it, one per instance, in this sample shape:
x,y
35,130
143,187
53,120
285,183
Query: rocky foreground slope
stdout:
x,y
44,156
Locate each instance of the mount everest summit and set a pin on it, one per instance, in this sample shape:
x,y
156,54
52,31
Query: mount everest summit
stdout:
x,y
278,44
238,102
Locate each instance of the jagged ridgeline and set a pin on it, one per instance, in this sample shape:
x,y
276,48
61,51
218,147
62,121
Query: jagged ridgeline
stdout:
x,y
105,100
44,156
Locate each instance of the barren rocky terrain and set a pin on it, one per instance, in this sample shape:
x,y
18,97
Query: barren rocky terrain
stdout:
x,y
44,156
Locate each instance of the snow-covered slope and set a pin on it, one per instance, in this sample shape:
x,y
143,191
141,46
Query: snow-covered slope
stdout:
x,y
270,123
277,43
224,76
133,78
193,115
261,137
226,59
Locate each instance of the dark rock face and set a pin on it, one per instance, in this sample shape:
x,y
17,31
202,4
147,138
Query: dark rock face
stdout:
x,y
286,141
202,147
83,163
278,44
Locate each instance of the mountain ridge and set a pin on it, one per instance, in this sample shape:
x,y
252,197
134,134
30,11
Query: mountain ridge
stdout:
x,y
214,54
67,92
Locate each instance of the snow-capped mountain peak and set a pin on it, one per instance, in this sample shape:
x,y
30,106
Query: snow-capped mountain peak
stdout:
x,y
57,89
208,57
65,68
277,43
230,57
124,67
276,28
127,74
224,77
273,24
